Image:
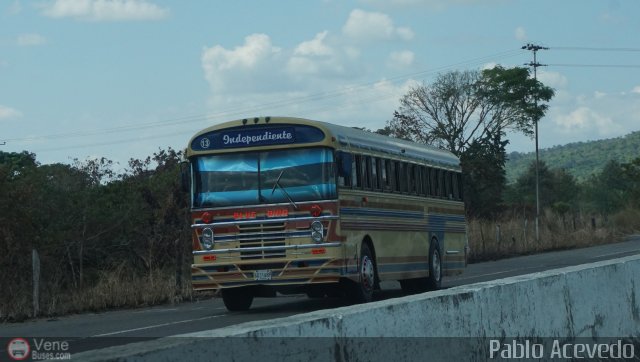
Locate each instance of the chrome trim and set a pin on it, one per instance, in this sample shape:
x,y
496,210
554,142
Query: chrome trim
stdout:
x,y
263,205
449,252
265,237
264,221
266,248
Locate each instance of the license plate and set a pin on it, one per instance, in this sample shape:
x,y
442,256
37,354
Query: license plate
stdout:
x,y
262,275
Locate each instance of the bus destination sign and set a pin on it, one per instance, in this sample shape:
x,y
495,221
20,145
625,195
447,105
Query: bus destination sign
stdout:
x,y
245,138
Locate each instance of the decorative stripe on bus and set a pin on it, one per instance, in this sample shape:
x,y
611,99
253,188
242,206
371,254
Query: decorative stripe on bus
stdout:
x,y
361,211
355,225
278,281
381,212
391,268
290,217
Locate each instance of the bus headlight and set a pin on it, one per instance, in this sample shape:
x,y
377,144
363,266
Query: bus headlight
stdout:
x,y
317,231
207,238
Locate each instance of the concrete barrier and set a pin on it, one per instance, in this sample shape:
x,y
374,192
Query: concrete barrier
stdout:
x,y
589,302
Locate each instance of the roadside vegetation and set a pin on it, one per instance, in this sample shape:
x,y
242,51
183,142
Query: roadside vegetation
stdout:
x,y
105,239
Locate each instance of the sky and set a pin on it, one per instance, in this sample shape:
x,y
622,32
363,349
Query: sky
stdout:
x,y
121,79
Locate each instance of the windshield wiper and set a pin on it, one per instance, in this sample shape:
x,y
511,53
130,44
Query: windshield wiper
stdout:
x,y
277,184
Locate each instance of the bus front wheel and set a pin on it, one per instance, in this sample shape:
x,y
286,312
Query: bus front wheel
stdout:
x,y
237,299
362,291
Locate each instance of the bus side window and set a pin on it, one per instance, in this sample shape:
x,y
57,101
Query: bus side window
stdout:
x,y
448,185
384,181
400,182
460,186
366,173
411,180
374,173
440,183
456,191
433,182
404,177
379,169
396,182
356,175
418,179
424,181
344,163
390,173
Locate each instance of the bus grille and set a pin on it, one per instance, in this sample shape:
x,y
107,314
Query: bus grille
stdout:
x,y
262,235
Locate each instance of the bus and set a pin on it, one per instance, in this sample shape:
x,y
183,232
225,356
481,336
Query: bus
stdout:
x,y
289,205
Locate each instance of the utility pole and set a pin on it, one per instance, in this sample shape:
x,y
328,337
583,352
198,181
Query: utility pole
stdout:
x,y
534,48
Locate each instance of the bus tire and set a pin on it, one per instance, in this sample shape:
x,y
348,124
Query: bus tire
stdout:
x,y
434,281
362,292
237,299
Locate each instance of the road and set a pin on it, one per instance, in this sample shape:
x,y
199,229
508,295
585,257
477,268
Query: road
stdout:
x,y
196,316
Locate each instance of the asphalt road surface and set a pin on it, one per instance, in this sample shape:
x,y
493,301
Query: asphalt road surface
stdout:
x,y
125,326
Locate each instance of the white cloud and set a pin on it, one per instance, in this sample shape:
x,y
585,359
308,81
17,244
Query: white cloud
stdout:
x,y
599,95
489,65
240,67
432,4
636,89
553,79
8,113
401,60
314,47
15,8
371,26
24,40
104,10
586,119
313,79
520,34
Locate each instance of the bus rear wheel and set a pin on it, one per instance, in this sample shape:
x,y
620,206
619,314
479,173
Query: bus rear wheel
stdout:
x,y
433,281
237,299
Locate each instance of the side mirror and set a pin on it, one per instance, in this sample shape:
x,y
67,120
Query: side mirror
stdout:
x,y
184,176
344,161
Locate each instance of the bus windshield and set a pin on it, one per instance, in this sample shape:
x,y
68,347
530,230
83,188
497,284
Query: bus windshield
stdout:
x,y
265,177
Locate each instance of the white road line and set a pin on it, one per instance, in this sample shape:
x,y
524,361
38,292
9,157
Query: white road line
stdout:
x,y
156,310
155,326
496,273
616,253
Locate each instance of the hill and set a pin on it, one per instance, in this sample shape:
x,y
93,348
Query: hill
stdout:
x,y
581,159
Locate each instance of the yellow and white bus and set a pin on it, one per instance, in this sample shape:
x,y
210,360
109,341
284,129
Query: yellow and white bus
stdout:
x,y
291,205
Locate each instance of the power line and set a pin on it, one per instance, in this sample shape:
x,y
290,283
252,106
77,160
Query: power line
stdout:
x,y
266,106
597,49
597,65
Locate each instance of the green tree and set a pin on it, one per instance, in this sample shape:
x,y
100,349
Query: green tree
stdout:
x,y
484,176
557,187
460,107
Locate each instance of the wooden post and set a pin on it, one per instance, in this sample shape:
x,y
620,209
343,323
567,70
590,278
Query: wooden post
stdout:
x,y
35,261
524,235
178,250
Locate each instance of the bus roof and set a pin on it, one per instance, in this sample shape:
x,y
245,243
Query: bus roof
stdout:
x,y
356,138
347,138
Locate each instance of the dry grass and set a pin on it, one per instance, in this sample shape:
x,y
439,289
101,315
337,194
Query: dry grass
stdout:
x,y
116,288
490,240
